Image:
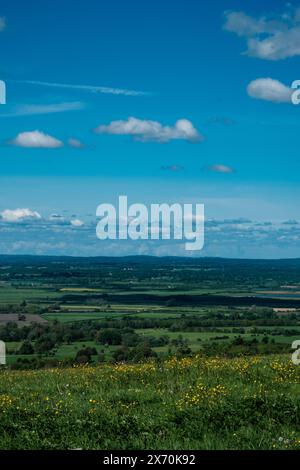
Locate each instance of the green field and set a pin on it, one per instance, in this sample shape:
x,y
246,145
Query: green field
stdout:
x,y
163,354
15,295
192,403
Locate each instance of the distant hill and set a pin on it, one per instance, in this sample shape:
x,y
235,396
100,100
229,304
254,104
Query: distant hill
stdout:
x,y
36,259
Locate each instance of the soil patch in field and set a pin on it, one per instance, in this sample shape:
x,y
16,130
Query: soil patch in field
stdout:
x,y
21,320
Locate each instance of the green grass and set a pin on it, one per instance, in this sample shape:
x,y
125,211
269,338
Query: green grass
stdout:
x,y
193,403
79,314
14,295
195,339
64,351
70,350
72,317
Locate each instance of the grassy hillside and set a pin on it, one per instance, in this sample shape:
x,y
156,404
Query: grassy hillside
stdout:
x,y
191,403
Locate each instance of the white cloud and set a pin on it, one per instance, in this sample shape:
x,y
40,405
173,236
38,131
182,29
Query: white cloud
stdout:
x,y
145,130
2,23
36,139
88,88
35,109
267,38
243,25
269,90
75,143
30,217
173,168
77,223
56,218
193,218
221,169
280,45
16,215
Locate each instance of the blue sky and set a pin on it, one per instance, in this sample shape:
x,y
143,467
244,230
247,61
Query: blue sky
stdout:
x,y
94,91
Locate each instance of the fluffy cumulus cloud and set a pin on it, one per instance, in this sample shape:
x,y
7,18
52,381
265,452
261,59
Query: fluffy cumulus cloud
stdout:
x,y
218,168
267,38
36,139
242,238
17,215
32,219
145,130
77,223
2,23
242,24
269,89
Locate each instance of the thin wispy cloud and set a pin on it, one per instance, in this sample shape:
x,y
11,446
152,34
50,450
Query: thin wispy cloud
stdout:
x,y
87,88
222,120
173,168
218,168
38,109
290,222
2,24
76,143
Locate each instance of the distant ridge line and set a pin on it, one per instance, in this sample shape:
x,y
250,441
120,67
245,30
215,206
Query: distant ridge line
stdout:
x,y
149,258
